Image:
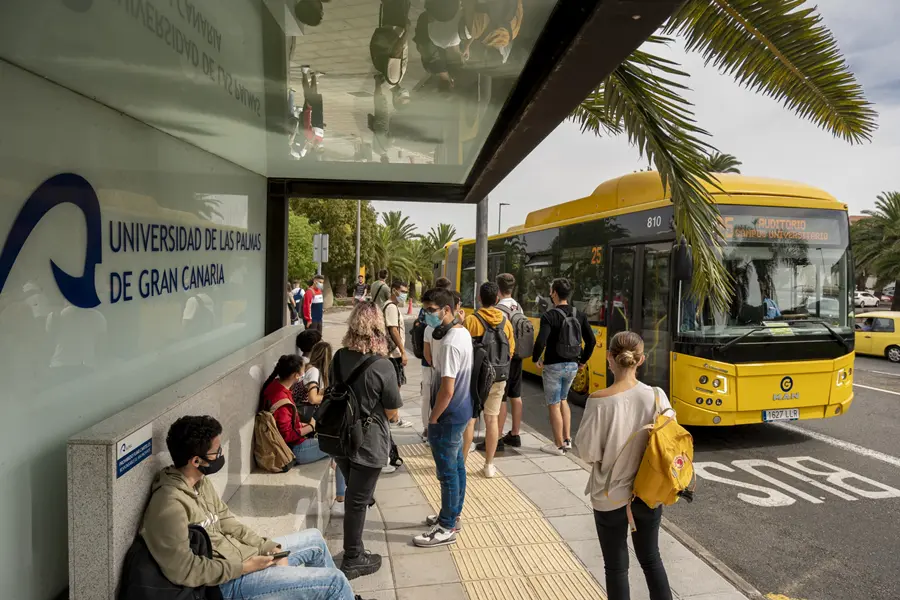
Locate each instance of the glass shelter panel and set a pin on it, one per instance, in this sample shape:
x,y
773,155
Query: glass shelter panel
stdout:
x,y
381,90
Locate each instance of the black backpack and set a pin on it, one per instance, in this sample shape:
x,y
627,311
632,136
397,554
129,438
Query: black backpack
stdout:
x,y
496,345
482,379
142,579
523,329
417,333
341,421
568,344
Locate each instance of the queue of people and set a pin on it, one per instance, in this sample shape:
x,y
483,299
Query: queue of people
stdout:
x,y
370,369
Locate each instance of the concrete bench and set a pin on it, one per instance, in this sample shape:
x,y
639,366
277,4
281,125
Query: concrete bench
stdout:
x,y
111,467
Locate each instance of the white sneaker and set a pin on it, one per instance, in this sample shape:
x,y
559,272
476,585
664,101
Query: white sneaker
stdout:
x,y
338,509
490,470
567,444
401,424
436,536
388,469
552,449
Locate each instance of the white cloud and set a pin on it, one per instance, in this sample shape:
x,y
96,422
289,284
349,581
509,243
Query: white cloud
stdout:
x,y
769,140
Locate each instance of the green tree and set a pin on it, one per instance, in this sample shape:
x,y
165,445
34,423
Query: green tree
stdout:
x,y
441,235
718,162
337,218
300,241
779,48
876,241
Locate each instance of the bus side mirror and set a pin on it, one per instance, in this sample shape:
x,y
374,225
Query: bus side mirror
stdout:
x,y
683,261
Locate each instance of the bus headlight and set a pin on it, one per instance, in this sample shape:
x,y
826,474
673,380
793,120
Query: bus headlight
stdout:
x,y
842,377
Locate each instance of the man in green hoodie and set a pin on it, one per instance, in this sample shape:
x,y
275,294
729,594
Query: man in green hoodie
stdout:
x,y
243,565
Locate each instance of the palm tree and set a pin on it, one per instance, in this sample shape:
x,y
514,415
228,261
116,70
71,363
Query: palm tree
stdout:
x,y
779,48
718,162
876,241
440,236
398,225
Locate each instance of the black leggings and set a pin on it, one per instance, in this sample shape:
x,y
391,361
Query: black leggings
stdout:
x,y
612,529
361,481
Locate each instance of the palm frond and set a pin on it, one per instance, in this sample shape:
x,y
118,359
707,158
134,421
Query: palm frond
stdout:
x,y
780,48
719,162
644,94
593,116
876,239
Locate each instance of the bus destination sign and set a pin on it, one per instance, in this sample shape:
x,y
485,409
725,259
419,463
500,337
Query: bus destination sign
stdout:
x,y
786,229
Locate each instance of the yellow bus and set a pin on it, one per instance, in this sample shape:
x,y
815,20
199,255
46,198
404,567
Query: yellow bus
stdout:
x,y
783,350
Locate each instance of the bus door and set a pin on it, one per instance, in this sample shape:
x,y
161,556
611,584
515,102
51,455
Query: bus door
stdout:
x,y
639,301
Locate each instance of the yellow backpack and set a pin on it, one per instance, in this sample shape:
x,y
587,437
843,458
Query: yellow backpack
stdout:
x,y
666,472
269,449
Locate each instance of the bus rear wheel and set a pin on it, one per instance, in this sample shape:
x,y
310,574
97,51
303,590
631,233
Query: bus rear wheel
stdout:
x,y
893,354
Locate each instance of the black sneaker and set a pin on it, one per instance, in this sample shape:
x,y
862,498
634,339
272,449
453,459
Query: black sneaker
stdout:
x,y
512,440
481,447
364,564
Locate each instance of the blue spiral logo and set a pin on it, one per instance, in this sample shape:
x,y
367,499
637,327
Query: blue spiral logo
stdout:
x,y
69,188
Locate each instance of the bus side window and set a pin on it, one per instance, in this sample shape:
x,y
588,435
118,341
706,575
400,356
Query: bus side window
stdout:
x,y
583,266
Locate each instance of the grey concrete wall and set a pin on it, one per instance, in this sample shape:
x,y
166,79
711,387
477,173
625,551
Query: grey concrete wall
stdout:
x,y
105,510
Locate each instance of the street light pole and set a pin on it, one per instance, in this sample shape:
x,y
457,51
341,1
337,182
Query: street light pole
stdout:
x,y
358,219
500,217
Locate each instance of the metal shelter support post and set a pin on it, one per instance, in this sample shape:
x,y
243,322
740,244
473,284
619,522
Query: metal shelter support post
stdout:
x,y
481,243
358,227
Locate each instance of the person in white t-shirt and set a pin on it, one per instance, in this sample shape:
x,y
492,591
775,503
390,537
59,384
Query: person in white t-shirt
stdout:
x,y
604,441
450,415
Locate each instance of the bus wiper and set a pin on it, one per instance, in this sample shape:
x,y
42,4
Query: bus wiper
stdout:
x,y
838,337
727,345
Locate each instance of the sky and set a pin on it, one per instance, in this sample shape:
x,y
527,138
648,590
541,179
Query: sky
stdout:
x,y
769,140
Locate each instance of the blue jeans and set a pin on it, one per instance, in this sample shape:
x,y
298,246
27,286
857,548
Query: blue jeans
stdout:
x,y
311,574
558,379
447,449
309,452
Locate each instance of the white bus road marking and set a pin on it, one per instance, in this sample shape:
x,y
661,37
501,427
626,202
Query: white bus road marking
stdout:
x,y
771,498
879,372
868,387
851,447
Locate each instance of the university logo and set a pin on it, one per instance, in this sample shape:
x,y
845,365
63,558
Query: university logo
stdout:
x,y
80,290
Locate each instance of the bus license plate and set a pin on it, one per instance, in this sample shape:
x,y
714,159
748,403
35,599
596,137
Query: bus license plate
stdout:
x,y
781,414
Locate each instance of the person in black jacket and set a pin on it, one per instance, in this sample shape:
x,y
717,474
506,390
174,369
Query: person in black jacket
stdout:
x,y
559,353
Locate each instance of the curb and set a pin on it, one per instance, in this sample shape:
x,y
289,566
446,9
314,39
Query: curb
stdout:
x,y
741,584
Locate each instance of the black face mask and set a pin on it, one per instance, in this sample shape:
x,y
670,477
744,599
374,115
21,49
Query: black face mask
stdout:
x,y
214,466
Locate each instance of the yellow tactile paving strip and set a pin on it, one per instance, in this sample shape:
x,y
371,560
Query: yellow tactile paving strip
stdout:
x,y
506,549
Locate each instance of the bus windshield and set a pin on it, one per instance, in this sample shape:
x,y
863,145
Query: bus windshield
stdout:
x,y
791,272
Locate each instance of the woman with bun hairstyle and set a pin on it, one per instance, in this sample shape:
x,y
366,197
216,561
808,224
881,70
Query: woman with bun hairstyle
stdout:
x,y
603,441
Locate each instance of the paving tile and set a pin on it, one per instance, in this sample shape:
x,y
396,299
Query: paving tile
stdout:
x,y
373,539
395,481
381,581
574,481
396,498
571,586
551,464
400,542
405,517
416,570
588,552
381,595
512,588
715,596
448,591
535,483
568,511
696,576
517,466
575,528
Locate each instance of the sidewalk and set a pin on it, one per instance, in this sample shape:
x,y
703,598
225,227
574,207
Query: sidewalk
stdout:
x,y
528,533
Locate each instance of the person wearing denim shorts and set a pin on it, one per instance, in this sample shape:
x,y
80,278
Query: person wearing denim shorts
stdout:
x,y
559,372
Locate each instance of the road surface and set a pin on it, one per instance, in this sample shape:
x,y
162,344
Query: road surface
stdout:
x,y
807,509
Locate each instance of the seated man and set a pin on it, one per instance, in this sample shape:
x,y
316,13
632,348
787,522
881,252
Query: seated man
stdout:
x,y
242,564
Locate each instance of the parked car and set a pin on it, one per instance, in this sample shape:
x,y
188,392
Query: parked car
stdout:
x,y
827,308
878,334
865,300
